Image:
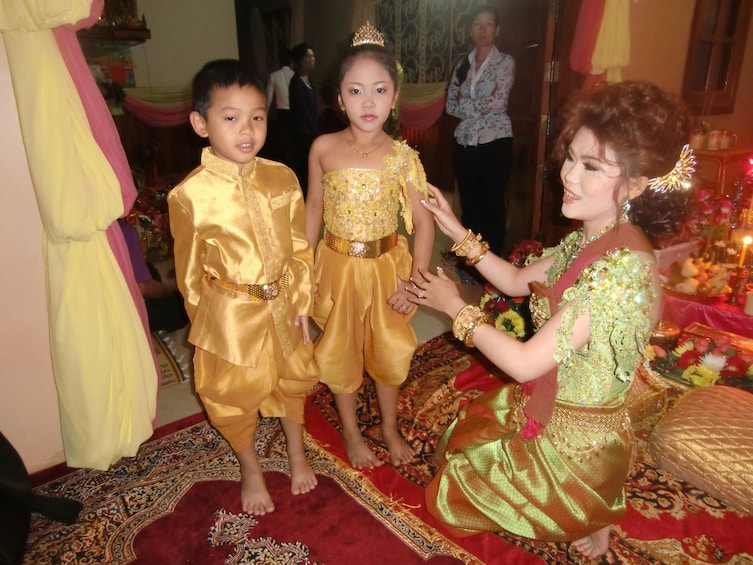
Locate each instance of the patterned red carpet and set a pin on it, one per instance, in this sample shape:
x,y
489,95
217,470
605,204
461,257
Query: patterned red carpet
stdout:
x,y
668,521
177,501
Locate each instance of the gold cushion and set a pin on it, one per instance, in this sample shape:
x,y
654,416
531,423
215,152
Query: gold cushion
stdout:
x,y
706,439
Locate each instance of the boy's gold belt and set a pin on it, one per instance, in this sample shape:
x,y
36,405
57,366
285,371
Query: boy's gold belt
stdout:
x,y
257,292
363,249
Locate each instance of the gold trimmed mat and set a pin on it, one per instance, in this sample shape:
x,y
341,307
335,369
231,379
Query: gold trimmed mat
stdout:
x,y
170,372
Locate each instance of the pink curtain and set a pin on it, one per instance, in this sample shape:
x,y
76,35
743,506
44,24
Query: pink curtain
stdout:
x,y
106,135
157,116
586,33
422,116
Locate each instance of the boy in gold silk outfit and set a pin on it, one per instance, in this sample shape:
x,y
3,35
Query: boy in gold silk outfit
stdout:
x,y
360,182
244,266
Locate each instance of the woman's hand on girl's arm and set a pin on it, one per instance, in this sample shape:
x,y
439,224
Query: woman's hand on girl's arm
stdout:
x,y
402,301
436,291
444,217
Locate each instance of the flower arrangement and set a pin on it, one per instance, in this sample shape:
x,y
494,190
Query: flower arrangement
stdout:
x,y
149,216
512,315
702,361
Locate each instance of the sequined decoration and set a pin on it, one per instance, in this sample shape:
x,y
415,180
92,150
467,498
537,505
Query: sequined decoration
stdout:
x,y
679,177
367,35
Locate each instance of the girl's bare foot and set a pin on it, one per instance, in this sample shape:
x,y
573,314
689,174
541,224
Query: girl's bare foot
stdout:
x,y
361,457
595,544
400,452
302,477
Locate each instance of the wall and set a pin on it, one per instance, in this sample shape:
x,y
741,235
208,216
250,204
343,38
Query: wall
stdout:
x,y
659,36
29,415
185,35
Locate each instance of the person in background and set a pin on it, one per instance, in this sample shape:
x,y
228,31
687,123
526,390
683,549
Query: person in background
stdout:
x,y
361,181
279,124
164,304
547,457
244,266
477,95
303,110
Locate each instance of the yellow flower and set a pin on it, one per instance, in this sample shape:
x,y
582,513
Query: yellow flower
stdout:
x,y
484,299
680,349
650,352
700,375
511,323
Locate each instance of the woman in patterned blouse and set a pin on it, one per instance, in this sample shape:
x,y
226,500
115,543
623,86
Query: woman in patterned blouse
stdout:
x,y
477,95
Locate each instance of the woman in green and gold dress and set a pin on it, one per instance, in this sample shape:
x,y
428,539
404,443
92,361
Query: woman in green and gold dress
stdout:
x,y
547,458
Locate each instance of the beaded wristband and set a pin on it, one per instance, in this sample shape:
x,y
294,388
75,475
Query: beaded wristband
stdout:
x,y
466,322
471,261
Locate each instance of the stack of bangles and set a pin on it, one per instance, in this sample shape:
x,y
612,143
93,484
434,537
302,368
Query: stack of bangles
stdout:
x,y
467,322
466,246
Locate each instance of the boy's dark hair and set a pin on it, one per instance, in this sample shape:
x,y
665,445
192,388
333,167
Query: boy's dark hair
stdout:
x,y
222,73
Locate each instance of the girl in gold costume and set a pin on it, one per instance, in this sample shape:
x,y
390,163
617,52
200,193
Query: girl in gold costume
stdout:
x,y
547,458
360,181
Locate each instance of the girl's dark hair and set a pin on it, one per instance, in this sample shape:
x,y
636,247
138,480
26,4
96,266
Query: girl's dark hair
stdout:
x,y
464,65
384,57
298,52
646,128
222,73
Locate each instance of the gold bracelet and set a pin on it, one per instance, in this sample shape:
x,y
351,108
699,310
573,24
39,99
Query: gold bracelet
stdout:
x,y
455,246
471,261
465,246
468,341
466,323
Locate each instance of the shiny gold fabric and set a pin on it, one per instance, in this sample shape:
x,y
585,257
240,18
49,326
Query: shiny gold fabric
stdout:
x,y
706,439
567,482
234,396
242,228
360,330
564,485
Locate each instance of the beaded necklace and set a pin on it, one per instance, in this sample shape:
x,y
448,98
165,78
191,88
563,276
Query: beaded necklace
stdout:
x,y
571,247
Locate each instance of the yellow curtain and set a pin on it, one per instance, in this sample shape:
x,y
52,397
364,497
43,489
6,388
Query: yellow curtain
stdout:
x,y
102,361
612,49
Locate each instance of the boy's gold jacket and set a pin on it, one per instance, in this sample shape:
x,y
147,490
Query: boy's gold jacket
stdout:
x,y
245,228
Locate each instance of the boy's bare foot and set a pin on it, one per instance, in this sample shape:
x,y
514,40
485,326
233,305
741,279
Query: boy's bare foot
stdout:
x,y
255,497
595,544
361,457
302,477
400,452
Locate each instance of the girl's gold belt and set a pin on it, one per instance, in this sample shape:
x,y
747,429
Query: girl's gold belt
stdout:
x,y
363,249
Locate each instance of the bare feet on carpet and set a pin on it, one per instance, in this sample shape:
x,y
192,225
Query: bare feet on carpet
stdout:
x,y
302,477
255,498
595,544
361,457
400,452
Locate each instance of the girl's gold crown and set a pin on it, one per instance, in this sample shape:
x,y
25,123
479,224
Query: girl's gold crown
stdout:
x,y
367,35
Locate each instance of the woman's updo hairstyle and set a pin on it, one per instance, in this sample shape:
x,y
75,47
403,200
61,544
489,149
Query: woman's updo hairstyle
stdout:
x,y
646,128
